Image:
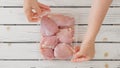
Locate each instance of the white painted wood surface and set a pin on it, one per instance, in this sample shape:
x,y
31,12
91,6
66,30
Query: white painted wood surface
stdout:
x,y
23,33
16,15
59,64
19,39
55,2
31,51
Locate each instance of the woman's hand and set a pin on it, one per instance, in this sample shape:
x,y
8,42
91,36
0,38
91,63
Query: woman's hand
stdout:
x,y
33,9
86,52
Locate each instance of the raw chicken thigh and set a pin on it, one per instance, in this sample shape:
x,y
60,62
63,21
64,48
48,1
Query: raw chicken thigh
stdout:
x,y
63,51
47,53
48,27
65,35
49,42
61,20
57,32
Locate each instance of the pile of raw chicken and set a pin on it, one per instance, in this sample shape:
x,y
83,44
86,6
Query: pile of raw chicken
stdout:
x,y
57,36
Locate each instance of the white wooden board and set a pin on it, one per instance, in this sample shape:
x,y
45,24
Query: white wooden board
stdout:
x,y
23,51
17,16
55,2
32,33
31,51
59,64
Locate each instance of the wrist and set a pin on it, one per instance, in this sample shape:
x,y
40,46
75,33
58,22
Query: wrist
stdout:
x,y
88,41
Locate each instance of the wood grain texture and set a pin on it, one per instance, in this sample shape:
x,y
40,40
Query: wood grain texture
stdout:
x,y
19,39
31,51
55,2
59,64
17,16
32,33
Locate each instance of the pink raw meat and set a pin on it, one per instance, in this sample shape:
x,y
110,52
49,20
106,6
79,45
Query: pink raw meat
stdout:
x,y
47,53
65,35
63,51
61,20
49,42
57,32
48,27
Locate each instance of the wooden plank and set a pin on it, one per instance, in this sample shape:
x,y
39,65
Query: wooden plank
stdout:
x,y
32,33
31,51
16,15
55,2
59,64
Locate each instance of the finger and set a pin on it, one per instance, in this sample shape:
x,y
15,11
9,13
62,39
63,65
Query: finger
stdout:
x,y
75,60
45,10
32,17
42,9
43,13
76,48
37,9
28,13
88,58
80,60
35,15
77,55
43,6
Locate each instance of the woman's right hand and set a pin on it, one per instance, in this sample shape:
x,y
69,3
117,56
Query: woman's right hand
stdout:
x,y
33,9
85,52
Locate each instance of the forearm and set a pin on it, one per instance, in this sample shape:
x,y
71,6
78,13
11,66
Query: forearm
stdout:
x,y
97,13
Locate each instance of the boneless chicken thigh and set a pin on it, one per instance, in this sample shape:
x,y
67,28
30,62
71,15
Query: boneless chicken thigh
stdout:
x,y
57,36
65,35
63,51
49,42
61,20
48,27
47,53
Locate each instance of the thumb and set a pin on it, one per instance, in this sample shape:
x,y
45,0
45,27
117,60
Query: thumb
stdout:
x,y
76,49
37,10
43,6
77,55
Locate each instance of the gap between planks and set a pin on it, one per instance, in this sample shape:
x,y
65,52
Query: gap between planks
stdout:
x,y
58,6
20,42
39,24
56,60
